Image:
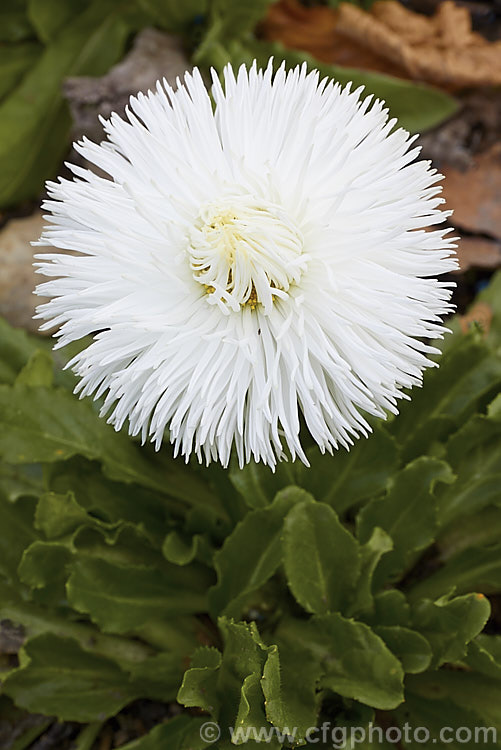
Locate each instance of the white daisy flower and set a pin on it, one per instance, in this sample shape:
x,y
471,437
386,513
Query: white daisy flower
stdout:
x,y
248,263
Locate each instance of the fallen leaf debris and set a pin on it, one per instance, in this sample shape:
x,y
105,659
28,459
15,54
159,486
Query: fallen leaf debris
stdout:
x,y
441,49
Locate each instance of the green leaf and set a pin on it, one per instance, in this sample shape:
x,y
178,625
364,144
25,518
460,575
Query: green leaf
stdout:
x,y
16,522
228,21
58,515
129,544
244,656
16,347
484,655
36,620
468,375
228,685
450,624
479,529
87,737
474,452
120,598
104,499
218,478
47,425
355,727
45,566
199,688
14,22
347,477
38,370
41,424
289,688
173,15
472,569
58,677
180,551
16,481
351,659
159,677
370,554
359,665
61,517
50,16
251,554
250,710
179,733
321,558
409,647
390,608
15,60
467,690
340,480
491,296
417,106
45,563
258,484
34,119
407,513
442,718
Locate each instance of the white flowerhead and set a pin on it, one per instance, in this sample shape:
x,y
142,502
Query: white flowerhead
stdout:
x,y
247,263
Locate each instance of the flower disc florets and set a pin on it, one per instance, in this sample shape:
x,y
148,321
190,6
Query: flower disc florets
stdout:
x,y
245,250
248,262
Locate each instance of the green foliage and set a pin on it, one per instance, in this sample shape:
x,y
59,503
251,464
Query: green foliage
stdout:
x,y
412,527
349,657
49,17
15,60
34,119
255,542
417,106
450,625
75,683
15,25
41,43
262,600
321,558
173,15
229,21
180,733
44,41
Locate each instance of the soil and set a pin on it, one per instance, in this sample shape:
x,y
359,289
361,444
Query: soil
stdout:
x,y
133,722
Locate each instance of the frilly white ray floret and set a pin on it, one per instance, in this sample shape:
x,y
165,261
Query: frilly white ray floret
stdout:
x,y
246,263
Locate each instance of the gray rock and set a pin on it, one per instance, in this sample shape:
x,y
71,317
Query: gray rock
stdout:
x,y
17,275
154,55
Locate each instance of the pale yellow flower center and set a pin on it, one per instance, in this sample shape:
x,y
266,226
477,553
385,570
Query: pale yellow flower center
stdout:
x,y
245,251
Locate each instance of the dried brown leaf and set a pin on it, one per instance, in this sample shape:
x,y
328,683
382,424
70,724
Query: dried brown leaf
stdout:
x,y
480,314
17,275
441,50
314,30
475,194
478,252
390,38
